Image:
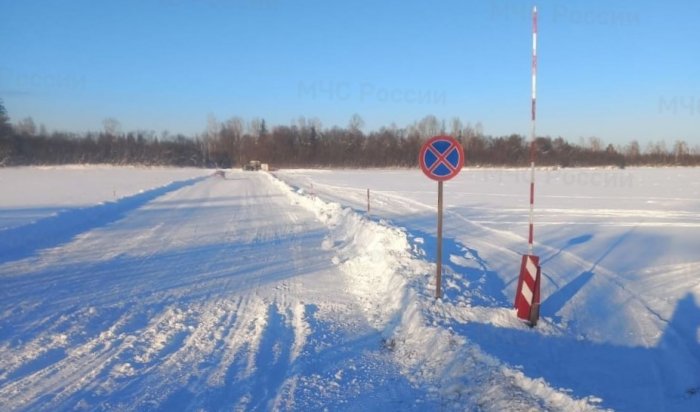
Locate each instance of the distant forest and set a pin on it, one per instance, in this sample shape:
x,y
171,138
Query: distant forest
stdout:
x,y
305,143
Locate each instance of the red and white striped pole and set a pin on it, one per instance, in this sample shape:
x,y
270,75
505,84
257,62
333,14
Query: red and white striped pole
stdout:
x,y
533,136
527,297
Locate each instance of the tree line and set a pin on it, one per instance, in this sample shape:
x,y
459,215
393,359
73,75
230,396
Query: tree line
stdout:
x,y
306,143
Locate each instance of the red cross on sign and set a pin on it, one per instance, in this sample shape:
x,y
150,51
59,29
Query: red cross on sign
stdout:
x,y
441,158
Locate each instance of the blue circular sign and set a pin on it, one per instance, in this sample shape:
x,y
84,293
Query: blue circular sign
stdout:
x,y
441,158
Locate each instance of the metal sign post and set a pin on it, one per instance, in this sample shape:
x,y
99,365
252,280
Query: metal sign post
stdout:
x,y
441,158
438,277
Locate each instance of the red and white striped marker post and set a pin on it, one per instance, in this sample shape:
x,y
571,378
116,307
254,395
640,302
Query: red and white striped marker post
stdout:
x,y
527,297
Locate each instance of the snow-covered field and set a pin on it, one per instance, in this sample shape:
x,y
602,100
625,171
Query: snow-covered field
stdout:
x,y
171,289
29,194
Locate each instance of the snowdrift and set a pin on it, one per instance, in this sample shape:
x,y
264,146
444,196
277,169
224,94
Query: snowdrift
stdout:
x,y
387,272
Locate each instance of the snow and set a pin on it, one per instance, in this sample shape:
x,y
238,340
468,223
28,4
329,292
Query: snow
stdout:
x,y
33,193
620,261
280,292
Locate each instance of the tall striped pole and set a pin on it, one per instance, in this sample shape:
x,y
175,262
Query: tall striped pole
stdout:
x,y
533,136
527,295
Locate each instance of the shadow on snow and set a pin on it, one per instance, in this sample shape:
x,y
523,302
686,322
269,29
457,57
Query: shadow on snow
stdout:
x,y
24,241
639,378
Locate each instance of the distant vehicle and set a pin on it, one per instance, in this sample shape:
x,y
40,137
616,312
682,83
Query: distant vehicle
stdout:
x,y
252,165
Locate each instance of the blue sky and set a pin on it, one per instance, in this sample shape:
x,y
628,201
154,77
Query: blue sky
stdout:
x,y
618,70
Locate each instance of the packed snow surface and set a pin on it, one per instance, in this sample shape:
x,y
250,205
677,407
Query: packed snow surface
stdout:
x,y
176,289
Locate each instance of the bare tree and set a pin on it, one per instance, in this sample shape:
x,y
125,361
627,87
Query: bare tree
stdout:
x,y
428,126
255,127
112,127
632,150
680,151
26,126
595,144
235,125
356,123
479,129
456,127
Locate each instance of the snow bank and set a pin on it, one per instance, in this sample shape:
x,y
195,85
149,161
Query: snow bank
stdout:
x,y
387,274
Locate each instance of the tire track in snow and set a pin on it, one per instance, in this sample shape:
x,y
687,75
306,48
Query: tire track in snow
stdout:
x,y
136,384
46,350
46,388
201,307
272,360
61,378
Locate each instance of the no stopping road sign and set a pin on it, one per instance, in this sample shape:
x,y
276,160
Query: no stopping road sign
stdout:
x,y
441,158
